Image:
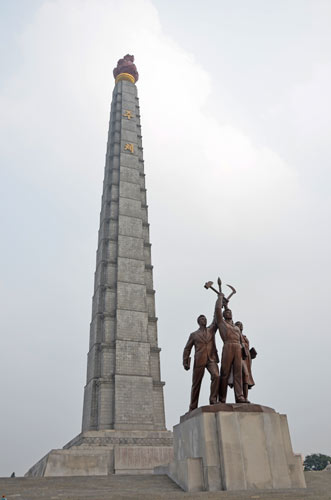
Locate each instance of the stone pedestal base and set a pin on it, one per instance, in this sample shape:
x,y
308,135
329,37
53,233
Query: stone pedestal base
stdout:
x,y
234,447
100,453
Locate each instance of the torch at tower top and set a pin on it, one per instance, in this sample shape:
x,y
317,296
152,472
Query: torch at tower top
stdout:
x,y
126,70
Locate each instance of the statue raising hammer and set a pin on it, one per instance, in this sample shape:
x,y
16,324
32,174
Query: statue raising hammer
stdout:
x,y
232,347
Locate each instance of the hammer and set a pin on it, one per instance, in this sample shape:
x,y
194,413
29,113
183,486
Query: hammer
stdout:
x,y
209,284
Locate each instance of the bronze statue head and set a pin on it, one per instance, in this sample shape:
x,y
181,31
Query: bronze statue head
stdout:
x,y
227,314
202,320
240,325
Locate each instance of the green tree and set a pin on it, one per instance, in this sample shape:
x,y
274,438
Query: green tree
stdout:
x,y
316,461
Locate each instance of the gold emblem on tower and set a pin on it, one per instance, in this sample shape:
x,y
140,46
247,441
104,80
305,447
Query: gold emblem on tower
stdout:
x,y
128,114
129,147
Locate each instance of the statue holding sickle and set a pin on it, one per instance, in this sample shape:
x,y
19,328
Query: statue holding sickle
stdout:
x,y
232,346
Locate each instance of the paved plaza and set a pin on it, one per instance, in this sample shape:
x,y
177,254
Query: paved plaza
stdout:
x,y
147,487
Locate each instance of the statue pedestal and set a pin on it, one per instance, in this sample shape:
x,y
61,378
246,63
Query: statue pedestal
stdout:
x,y
234,447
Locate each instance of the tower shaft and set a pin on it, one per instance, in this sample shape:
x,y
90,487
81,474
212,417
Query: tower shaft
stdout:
x,y
123,388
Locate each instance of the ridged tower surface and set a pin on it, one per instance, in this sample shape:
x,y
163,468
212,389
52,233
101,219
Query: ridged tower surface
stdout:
x,y
123,388
123,430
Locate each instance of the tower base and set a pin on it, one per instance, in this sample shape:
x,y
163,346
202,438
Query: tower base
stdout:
x,y
234,447
101,453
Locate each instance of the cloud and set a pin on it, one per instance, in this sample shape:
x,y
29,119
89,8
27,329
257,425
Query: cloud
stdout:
x,y
305,111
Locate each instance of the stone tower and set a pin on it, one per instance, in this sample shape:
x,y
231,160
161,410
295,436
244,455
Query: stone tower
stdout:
x,y
123,427
123,388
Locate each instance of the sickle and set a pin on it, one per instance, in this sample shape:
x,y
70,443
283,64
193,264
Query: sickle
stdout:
x,y
232,293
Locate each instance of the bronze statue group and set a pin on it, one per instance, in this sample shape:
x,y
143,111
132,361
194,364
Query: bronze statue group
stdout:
x,y
236,361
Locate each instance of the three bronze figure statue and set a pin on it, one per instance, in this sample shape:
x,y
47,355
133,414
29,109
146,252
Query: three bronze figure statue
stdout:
x,y
236,360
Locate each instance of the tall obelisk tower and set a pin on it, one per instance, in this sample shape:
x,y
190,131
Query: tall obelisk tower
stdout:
x,y
123,388
123,427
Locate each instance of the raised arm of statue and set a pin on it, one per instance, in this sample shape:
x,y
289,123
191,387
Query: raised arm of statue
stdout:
x,y
214,325
219,316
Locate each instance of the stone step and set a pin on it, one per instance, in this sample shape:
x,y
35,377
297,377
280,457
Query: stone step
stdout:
x,y
146,487
87,488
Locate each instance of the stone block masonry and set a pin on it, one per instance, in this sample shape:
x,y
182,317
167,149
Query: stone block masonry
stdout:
x,y
123,387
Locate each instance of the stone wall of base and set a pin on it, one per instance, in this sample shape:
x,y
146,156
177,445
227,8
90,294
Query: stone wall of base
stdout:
x,y
234,447
100,453
93,462
140,459
101,461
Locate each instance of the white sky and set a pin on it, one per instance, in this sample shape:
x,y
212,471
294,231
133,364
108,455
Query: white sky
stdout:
x,y
235,104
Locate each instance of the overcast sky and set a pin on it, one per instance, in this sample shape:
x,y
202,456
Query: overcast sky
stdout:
x,y
235,111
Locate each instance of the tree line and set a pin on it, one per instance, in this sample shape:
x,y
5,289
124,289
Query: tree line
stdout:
x,y
316,461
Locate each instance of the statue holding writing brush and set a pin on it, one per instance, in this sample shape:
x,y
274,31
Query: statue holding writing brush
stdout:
x,y
233,348
250,353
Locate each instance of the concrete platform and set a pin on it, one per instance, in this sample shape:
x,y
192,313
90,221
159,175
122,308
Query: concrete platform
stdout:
x,y
101,453
234,447
148,487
